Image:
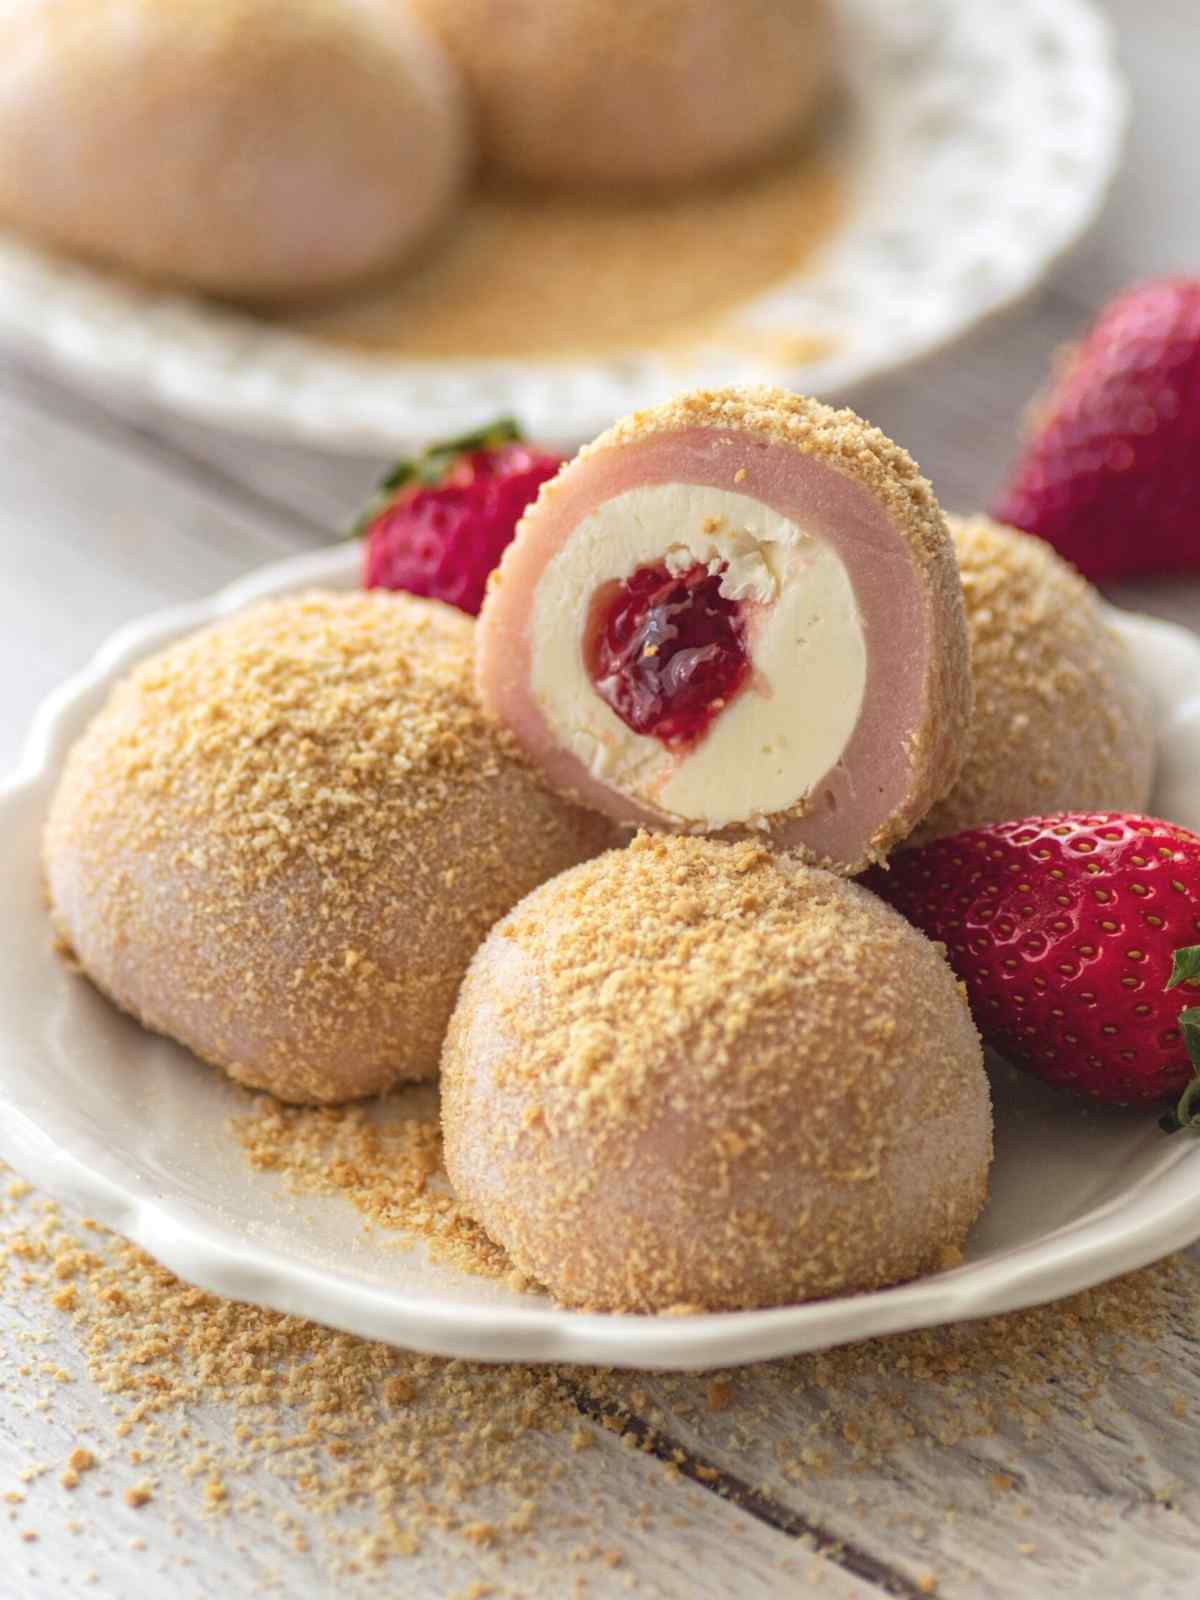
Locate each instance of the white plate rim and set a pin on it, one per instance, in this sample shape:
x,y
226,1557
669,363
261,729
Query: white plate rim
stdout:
x,y
1035,101
1159,1215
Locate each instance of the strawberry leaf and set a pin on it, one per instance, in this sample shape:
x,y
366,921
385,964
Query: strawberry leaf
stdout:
x,y
1185,966
1189,1026
429,468
1187,1112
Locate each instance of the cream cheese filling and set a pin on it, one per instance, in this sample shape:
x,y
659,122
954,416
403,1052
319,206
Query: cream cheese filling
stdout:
x,y
788,726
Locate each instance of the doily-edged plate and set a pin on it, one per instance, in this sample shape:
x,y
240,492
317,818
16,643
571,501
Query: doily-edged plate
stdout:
x,y
984,138
135,1131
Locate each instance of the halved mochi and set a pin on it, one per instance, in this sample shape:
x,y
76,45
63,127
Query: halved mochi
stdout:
x,y
737,612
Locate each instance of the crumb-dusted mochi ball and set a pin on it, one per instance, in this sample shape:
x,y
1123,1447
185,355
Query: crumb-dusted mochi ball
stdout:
x,y
737,613
282,839
700,1074
611,93
258,148
1061,723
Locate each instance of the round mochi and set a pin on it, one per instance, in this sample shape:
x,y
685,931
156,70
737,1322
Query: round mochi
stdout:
x,y
282,839
257,148
1061,723
611,93
696,1074
816,550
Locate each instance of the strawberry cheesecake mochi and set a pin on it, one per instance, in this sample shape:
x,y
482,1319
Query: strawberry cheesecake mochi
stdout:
x,y
737,613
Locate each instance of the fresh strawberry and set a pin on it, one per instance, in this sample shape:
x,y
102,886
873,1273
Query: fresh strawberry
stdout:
x,y
1111,474
439,525
1068,931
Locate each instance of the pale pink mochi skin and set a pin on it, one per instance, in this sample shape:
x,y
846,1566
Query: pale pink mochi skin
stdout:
x,y
873,778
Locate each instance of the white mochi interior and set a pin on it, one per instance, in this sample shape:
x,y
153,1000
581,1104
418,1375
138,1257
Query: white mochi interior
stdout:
x,y
788,726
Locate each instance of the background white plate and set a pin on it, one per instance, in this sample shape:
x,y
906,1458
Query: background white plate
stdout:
x,y
134,1130
984,137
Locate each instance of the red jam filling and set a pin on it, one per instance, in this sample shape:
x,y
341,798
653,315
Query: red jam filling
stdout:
x,y
667,652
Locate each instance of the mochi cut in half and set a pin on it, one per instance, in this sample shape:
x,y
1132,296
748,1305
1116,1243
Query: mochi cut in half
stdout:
x,y
737,613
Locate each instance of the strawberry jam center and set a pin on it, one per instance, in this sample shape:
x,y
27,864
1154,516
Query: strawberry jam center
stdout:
x,y
667,652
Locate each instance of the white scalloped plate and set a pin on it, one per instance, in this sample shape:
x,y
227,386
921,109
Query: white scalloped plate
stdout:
x,y
984,139
135,1131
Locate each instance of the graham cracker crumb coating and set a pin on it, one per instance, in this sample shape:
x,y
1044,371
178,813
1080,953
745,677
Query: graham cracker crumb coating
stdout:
x,y
361,1455
1061,723
385,1158
702,1074
283,837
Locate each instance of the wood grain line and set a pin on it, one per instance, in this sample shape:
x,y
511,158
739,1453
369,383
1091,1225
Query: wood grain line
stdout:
x,y
728,1486
206,473
74,409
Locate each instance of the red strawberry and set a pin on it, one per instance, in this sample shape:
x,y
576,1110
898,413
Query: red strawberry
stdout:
x,y
1111,474
1067,931
439,524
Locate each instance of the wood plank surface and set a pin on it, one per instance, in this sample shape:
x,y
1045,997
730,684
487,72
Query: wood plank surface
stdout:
x,y
1052,1454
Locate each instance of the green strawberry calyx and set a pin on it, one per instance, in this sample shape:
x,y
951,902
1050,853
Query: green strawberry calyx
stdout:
x,y
429,469
1185,968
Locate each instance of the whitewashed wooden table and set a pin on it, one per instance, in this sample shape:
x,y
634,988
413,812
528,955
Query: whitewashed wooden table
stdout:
x,y
101,520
